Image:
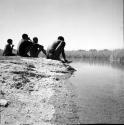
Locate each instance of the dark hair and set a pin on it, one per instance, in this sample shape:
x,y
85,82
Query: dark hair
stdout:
x,y
35,40
24,36
9,41
61,38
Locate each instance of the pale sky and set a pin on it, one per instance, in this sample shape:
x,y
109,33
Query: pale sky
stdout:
x,y
85,24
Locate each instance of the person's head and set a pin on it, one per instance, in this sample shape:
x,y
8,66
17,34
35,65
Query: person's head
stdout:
x,y
9,41
61,38
35,40
25,36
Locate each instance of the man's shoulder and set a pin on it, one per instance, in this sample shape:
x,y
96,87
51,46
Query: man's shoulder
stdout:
x,y
7,45
25,41
56,41
21,41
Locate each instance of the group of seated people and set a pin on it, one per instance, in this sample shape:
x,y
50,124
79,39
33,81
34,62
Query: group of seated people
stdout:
x,y
31,48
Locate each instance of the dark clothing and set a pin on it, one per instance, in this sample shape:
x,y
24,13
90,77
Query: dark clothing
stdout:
x,y
54,51
8,50
24,47
35,50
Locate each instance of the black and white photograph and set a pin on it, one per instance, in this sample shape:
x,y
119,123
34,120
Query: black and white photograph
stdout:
x,y
61,62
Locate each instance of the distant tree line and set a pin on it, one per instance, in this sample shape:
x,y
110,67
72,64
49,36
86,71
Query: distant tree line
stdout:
x,y
117,55
92,53
112,55
1,52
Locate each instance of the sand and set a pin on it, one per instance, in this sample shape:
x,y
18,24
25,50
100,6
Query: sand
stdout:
x,y
38,92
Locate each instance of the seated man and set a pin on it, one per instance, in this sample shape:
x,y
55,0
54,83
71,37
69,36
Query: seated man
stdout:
x,y
24,46
8,48
56,49
36,48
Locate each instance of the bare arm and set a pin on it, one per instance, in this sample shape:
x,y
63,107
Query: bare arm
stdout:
x,y
41,48
44,51
63,55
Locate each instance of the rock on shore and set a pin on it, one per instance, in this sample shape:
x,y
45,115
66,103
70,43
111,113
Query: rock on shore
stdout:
x,y
37,92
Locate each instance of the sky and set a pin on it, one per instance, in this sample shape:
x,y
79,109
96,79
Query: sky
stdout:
x,y
85,24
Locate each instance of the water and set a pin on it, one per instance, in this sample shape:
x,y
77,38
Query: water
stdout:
x,y
100,88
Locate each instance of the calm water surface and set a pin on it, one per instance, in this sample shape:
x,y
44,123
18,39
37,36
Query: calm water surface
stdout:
x,y
100,88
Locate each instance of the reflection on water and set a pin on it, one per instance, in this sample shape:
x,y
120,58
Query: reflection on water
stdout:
x,y
99,62
100,87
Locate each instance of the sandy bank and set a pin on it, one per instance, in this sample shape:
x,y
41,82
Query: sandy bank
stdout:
x,y
38,92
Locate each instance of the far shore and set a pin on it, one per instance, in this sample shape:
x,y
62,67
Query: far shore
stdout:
x,y
116,55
